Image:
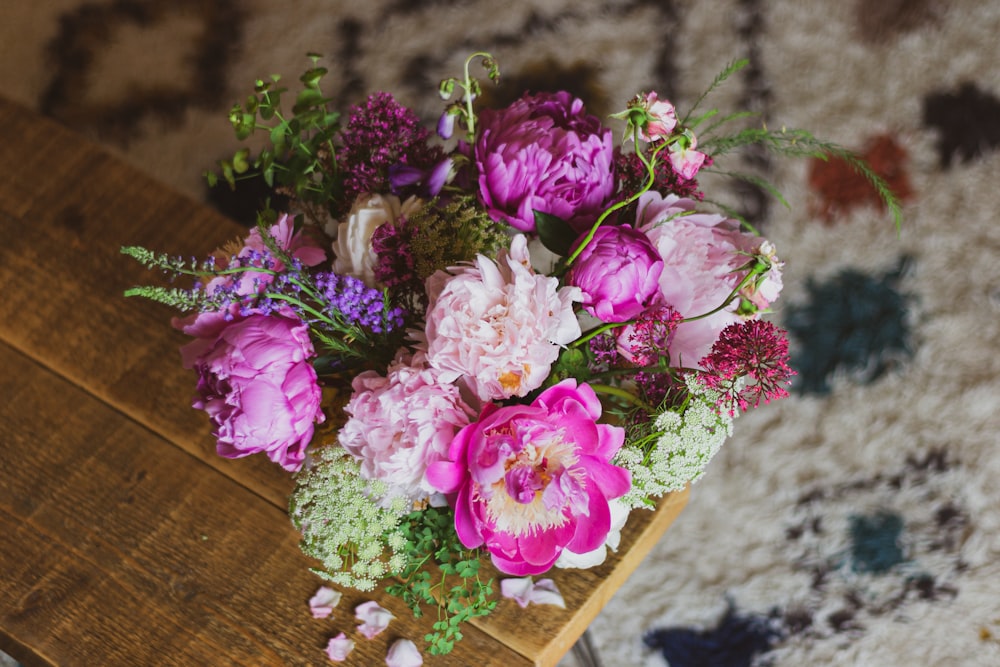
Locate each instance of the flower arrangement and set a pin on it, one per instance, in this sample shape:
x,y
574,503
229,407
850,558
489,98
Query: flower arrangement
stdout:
x,y
497,340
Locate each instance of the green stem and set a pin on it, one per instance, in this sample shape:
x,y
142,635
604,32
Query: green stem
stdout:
x,y
650,179
618,392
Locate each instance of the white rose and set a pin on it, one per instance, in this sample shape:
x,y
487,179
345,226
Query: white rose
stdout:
x,y
352,247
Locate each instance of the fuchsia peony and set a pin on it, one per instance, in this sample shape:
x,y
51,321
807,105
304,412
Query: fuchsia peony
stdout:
x,y
618,273
401,423
498,325
529,481
257,384
702,255
544,153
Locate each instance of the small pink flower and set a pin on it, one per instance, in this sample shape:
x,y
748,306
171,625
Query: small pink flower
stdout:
x,y
525,591
528,481
322,603
374,619
499,325
401,423
661,117
339,647
686,161
403,653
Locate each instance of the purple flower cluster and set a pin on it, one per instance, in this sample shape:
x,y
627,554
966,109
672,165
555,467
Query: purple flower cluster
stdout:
x,y
348,299
382,134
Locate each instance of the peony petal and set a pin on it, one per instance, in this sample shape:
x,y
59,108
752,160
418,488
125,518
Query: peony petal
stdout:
x,y
323,601
403,653
339,647
374,619
524,591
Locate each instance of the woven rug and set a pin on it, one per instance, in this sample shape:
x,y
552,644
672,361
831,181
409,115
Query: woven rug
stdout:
x,y
855,523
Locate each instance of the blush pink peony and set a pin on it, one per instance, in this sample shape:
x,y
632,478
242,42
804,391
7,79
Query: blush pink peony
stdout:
x,y
530,481
258,386
401,423
702,256
498,325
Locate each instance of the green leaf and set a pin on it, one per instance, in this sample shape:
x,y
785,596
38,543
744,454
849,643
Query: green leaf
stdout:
x,y
555,233
241,162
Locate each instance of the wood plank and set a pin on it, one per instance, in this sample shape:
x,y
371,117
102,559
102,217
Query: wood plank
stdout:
x,y
120,549
64,213
546,633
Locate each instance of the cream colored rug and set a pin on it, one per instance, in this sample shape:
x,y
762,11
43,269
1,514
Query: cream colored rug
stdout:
x,y
855,523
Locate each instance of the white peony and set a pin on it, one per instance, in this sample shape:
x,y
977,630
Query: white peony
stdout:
x,y
352,247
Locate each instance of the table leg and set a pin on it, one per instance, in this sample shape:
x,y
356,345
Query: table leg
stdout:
x,y
585,653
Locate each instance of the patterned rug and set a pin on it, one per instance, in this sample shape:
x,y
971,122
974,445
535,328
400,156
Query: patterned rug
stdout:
x,y
856,523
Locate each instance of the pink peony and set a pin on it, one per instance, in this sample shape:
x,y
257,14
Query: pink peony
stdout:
x,y
618,273
544,153
528,481
702,255
498,325
257,384
401,423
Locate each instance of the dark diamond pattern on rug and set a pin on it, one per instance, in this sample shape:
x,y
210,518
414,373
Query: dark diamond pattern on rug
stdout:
x,y
967,122
854,323
92,29
737,641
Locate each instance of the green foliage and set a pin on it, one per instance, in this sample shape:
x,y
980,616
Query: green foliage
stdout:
x,y
299,157
457,232
555,233
442,573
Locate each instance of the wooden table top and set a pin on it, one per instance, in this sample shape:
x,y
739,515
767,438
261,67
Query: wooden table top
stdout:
x,y
127,540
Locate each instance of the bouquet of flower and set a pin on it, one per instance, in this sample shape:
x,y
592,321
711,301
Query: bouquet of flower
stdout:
x,y
496,340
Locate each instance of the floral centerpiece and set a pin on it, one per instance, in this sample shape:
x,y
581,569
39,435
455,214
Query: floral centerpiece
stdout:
x,y
497,340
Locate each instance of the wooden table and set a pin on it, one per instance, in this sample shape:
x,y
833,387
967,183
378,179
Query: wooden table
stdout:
x,y
126,540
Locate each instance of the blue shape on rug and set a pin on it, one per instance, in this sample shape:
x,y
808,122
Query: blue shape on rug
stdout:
x,y
736,641
875,545
854,323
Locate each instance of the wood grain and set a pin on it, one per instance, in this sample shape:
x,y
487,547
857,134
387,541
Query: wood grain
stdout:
x,y
64,213
120,549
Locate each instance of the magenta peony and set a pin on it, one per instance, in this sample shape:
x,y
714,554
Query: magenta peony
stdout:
x,y
257,384
702,255
544,153
618,273
401,423
530,481
499,325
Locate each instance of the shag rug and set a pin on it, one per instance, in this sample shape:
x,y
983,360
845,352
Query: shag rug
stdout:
x,y
855,523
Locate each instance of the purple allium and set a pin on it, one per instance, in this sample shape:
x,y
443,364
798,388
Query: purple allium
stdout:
x,y
544,153
382,134
755,350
